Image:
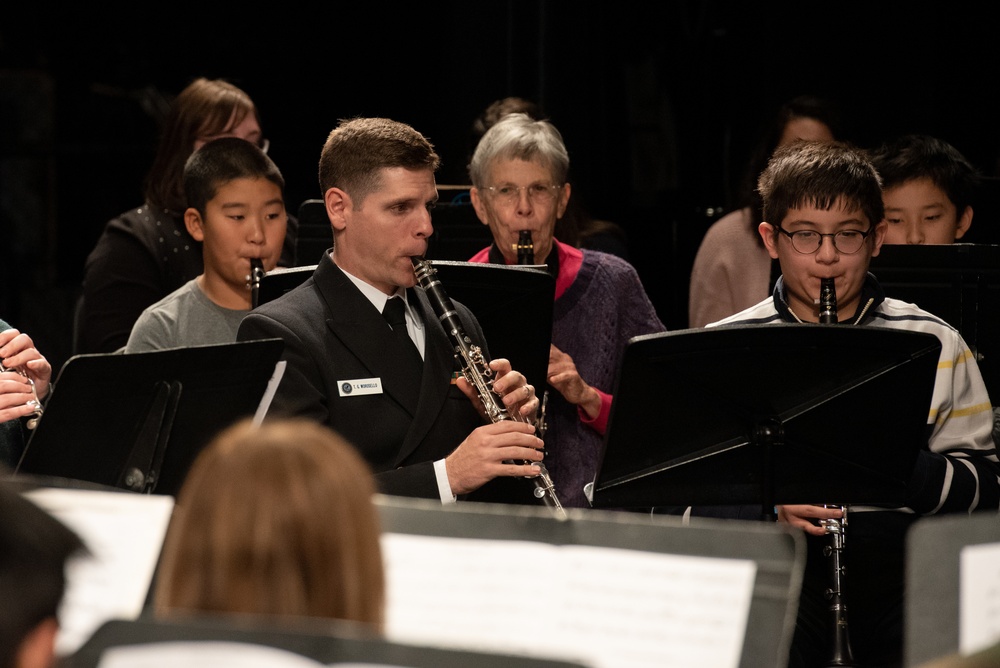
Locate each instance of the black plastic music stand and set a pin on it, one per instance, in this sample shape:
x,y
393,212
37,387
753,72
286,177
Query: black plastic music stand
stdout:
x,y
959,283
513,305
751,414
137,421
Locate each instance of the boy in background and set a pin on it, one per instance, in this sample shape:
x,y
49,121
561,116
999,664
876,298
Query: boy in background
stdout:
x,y
236,209
927,189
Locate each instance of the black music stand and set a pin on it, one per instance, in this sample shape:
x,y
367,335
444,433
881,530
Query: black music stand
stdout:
x,y
137,421
751,414
513,305
959,283
325,642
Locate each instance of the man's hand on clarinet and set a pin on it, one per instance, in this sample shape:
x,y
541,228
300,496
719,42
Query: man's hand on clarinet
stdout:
x,y
490,452
517,395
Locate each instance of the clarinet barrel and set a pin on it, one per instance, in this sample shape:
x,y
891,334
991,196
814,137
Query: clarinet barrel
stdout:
x,y
525,248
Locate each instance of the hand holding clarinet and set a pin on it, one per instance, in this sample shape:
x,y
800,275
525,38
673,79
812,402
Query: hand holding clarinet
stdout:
x,y
508,446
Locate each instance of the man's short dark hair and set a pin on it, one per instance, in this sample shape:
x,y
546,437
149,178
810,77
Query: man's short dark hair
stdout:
x,y
34,548
358,150
223,160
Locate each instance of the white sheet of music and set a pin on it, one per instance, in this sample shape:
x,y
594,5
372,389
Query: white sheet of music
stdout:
x,y
601,607
979,597
272,387
217,654
124,533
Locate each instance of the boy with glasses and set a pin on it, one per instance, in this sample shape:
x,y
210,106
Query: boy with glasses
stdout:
x,y
823,214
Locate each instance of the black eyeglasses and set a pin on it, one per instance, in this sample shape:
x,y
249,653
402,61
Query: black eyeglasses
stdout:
x,y
808,242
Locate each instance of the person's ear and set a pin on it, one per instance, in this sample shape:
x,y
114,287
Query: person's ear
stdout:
x,y
37,648
564,194
338,207
964,223
194,224
766,232
479,205
879,234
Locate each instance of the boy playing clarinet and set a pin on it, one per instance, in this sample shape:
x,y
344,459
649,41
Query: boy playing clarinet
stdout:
x,y
824,218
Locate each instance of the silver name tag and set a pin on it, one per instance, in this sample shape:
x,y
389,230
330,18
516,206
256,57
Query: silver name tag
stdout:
x,y
359,386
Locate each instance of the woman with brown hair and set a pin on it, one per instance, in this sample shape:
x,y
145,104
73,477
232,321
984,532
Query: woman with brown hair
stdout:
x,y
276,520
146,253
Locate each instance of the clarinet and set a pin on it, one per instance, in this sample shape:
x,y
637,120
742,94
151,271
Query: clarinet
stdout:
x,y
525,248
253,280
476,369
836,530
35,403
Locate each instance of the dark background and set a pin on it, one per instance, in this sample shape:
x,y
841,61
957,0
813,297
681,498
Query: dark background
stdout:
x,y
658,103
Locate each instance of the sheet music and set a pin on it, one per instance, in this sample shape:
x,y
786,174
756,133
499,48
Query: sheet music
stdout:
x,y
602,607
979,597
218,654
124,533
272,387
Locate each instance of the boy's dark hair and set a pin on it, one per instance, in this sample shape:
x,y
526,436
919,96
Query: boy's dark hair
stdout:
x,y
823,175
358,149
34,548
921,156
223,160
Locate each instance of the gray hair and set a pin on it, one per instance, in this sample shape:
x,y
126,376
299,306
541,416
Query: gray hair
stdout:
x,y
519,137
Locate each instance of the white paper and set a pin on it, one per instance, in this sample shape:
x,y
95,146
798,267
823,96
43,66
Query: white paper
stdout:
x,y
218,654
601,607
979,598
272,387
124,533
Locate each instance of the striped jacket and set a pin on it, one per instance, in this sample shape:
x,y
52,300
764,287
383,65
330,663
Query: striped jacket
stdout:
x,y
957,469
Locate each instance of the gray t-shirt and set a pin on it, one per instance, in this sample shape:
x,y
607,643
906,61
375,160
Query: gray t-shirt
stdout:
x,y
185,317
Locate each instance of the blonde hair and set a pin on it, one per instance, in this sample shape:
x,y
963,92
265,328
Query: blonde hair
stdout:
x,y
276,519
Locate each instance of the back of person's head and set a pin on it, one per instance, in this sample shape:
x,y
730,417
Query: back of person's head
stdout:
x,y
916,156
500,108
811,107
205,108
517,136
278,520
823,175
221,161
358,149
34,549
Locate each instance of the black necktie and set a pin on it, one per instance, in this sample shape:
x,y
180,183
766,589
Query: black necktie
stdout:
x,y
395,313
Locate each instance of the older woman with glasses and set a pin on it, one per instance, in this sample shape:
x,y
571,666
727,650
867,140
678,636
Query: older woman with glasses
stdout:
x,y
146,253
519,184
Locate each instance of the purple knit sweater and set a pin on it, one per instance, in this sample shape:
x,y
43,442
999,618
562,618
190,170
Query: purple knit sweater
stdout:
x,y
592,322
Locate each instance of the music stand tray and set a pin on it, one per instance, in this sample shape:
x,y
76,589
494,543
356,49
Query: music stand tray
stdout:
x,y
137,421
750,414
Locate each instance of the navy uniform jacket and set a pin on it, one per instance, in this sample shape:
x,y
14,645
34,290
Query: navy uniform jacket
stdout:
x,y
332,334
